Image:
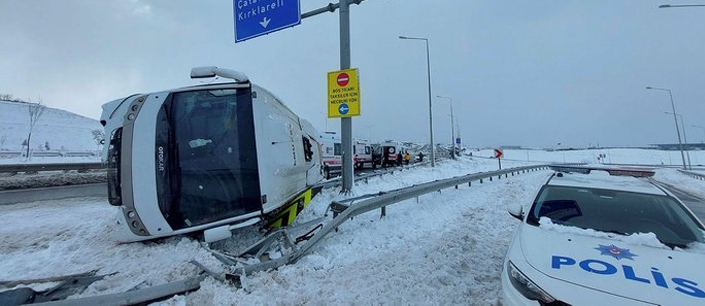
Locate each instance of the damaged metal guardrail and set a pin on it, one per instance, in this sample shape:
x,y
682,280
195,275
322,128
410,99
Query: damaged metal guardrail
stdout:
x,y
696,175
343,212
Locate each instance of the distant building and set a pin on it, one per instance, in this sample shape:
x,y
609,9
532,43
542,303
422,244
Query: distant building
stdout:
x,y
674,146
510,147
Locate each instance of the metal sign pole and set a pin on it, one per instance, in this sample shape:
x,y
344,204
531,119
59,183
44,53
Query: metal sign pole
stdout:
x,y
346,123
452,130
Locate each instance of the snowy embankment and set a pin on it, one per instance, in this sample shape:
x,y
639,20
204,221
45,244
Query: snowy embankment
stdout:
x,y
445,248
686,183
56,127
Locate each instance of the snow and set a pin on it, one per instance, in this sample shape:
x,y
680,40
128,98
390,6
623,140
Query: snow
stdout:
x,y
71,238
441,248
63,131
686,183
613,156
445,248
647,239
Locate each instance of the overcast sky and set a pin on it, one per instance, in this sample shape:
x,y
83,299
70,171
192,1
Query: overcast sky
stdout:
x,y
527,72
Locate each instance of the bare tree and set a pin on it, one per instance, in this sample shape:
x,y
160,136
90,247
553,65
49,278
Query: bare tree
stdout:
x,y
8,97
35,112
98,137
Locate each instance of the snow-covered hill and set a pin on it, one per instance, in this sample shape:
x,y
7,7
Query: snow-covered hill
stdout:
x,y
57,128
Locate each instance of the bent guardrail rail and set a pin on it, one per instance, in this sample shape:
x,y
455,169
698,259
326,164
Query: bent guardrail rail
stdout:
x,y
343,212
696,175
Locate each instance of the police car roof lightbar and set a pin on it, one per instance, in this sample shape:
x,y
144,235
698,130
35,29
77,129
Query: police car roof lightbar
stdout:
x,y
612,171
212,71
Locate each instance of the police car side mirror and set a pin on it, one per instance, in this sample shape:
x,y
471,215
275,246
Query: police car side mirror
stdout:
x,y
516,210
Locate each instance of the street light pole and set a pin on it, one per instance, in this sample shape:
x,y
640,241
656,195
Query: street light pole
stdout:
x,y
678,5
430,105
702,128
346,122
685,139
452,128
673,106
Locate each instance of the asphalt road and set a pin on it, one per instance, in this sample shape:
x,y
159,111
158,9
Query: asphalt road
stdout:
x,y
53,193
15,196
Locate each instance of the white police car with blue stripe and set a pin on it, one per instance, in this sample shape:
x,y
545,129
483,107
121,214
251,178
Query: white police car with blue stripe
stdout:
x,y
597,237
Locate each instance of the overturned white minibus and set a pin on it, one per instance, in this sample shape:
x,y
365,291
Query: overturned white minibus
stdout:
x,y
223,155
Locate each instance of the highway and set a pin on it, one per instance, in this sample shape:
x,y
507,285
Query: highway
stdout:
x,y
15,196
53,193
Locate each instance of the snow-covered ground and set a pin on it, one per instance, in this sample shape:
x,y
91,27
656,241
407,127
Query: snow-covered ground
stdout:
x,y
60,130
445,248
612,156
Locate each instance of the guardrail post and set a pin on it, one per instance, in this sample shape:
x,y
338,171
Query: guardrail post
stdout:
x,y
506,175
480,181
469,184
490,178
384,212
456,186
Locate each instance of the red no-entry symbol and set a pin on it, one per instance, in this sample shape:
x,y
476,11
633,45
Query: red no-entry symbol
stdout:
x,y
343,79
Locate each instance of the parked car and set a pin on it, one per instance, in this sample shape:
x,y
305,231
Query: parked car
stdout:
x,y
331,152
363,154
391,153
604,236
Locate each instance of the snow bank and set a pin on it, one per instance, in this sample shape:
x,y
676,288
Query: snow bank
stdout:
x,y
648,239
447,248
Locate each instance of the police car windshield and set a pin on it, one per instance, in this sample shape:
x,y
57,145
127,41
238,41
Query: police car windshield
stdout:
x,y
617,212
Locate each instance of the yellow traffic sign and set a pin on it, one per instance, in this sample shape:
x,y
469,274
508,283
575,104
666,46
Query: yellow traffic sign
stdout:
x,y
343,93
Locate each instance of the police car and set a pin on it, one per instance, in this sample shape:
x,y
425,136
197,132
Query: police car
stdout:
x,y
599,236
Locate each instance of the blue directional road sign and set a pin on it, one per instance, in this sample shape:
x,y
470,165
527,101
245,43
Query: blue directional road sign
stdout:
x,y
259,17
457,140
343,109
